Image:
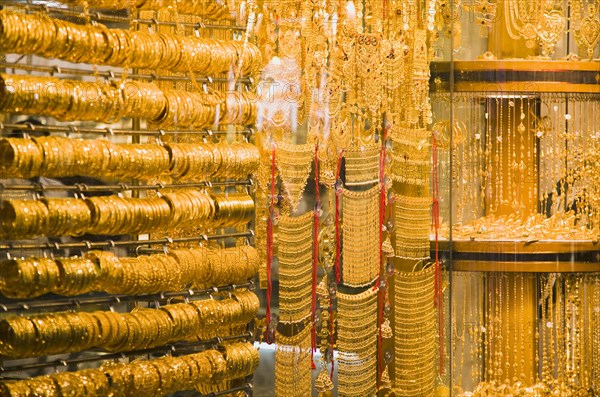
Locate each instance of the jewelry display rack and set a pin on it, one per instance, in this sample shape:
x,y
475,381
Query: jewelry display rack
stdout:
x,y
234,378
516,119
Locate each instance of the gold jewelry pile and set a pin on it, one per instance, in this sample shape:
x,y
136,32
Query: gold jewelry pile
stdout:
x,y
113,215
178,270
70,100
160,376
41,35
357,343
67,332
56,156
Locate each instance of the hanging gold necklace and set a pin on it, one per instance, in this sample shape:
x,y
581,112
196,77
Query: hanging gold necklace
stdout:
x,y
295,267
357,343
362,164
294,164
415,336
360,239
293,364
412,220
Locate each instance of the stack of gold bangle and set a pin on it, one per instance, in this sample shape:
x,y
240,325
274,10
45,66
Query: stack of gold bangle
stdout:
x,y
70,100
57,156
191,161
194,109
222,271
38,34
67,332
114,215
160,376
233,209
210,9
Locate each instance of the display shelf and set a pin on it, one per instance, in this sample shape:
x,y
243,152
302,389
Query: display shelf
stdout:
x,y
106,299
82,188
110,243
117,74
108,131
516,102
518,76
524,267
522,256
522,247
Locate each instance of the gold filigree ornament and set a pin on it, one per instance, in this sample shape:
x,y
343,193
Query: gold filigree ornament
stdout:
x,y
386,329
328,160
387,248
421,108
323,383
587,34
327,246
522,19
294,163
552,26
385,382
369,68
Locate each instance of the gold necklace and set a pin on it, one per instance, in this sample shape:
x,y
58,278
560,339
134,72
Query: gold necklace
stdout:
x,y
357,343
415,336
412,220
294,163
362,164
411,156
293,364
369,73
295,245
360,238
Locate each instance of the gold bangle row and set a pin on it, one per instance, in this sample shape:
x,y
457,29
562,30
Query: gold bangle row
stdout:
x,y
210,9
38,34
148,274
70,100
57,156
160,376
114,215
58,333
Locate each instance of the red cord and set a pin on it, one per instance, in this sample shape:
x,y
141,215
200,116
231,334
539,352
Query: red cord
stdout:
x,y
315,257
381,297
270,247
337,219
435,212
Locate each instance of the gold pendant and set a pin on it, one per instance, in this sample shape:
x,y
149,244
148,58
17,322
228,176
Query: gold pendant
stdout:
x,y
552,27
588,34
